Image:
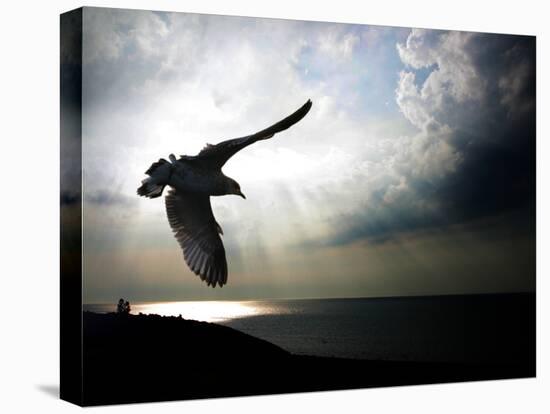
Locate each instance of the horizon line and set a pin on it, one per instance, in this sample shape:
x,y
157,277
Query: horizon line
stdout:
x,y
323,298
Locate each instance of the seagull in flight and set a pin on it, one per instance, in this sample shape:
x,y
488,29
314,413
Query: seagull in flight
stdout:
x,y
192,180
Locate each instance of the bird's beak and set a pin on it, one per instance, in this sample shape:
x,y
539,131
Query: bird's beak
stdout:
x,y
242,195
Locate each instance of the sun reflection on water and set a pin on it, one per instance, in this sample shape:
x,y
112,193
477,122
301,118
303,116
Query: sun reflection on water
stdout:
x,y
207,311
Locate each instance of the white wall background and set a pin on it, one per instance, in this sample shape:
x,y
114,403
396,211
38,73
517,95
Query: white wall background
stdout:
x,y
29,74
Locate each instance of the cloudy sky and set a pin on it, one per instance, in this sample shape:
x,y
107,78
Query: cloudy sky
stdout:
x,y
414,172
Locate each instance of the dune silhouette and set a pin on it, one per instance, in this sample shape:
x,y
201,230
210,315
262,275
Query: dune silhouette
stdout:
x,y
142,358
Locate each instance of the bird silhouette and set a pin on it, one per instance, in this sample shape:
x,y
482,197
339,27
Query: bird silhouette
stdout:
x,y
192,180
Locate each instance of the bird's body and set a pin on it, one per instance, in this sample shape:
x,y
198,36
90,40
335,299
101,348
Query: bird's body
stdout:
x,y
193,179
188,177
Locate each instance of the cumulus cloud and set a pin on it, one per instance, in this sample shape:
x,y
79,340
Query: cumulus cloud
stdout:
x,y
473,154
454,74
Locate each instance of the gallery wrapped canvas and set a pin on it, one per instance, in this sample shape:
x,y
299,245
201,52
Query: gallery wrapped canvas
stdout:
x,y
256,206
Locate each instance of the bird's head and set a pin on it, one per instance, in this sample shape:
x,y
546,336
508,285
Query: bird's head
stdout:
x,y
233,187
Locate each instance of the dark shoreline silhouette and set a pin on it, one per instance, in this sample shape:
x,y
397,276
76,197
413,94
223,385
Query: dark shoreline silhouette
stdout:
x,y
146,358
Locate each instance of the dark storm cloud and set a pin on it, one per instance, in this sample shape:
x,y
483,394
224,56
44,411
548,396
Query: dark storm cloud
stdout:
x,y
110,198
487,108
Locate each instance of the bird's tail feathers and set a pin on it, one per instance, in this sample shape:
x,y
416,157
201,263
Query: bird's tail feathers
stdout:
x,y
159,175
150,189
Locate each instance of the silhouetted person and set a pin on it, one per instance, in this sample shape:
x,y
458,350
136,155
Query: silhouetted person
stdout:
x,y
123,308
120,306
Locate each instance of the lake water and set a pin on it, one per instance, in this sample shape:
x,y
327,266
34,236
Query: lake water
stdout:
x,y
463,328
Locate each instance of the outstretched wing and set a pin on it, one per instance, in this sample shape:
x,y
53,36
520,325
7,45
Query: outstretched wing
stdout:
x,y
194,226
215,156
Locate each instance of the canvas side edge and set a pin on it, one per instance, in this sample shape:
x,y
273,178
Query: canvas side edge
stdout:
x,y
71,206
